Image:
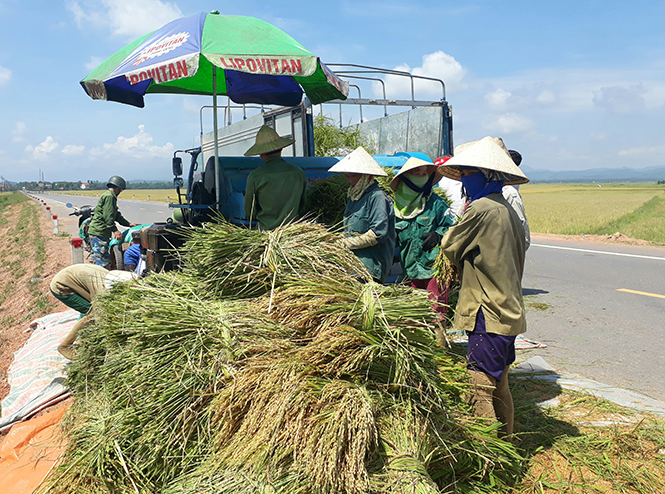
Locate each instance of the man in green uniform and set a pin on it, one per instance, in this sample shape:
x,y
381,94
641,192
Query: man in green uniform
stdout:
x,y
102,225
275,191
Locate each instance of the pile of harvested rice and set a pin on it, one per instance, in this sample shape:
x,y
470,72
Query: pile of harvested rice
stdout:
x,y
271,364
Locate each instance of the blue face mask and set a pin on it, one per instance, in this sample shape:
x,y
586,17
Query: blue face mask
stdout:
x,y
477,186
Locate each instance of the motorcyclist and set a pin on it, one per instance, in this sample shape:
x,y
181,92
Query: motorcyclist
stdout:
x,y
102,225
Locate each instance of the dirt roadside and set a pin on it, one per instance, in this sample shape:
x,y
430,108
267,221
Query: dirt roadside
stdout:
x,y
615,238
30,255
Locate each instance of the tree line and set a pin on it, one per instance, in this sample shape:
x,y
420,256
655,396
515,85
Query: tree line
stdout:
x,y
91,185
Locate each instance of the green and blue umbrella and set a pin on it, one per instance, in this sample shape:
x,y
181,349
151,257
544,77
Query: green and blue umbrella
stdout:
x,y
244,58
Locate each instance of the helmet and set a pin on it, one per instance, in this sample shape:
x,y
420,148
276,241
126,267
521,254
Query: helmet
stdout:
x,y
178,216
117,181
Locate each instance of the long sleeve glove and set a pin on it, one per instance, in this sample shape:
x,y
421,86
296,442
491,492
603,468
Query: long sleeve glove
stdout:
x,y
359,242
431,240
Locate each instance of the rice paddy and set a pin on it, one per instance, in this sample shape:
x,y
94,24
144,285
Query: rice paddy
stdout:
x,y
572,209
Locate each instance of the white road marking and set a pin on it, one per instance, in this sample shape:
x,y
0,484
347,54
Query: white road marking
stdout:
x,y
599,252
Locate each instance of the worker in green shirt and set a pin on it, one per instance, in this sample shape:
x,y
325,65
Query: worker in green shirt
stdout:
x,y
275,191
102,225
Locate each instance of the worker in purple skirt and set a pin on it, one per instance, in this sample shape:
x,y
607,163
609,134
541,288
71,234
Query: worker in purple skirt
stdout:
x,y
488,246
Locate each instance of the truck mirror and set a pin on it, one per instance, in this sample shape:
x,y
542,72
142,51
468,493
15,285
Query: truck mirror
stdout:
x,y
177,166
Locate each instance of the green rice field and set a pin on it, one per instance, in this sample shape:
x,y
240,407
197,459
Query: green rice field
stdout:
x,y
636,210
152,195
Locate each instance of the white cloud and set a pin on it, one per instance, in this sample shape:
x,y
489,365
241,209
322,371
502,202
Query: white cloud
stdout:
x,y
546,98
139,147
642,151
72,150
43,149
93,63
127,19
620,100
599,136
20,128
437,65
5,75
497,100
508,123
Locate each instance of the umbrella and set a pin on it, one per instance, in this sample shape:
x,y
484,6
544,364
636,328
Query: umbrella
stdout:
x,y
259,62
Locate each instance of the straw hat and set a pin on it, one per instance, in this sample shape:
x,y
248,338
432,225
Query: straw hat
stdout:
x,y
412,163
489,153
267,140
358,161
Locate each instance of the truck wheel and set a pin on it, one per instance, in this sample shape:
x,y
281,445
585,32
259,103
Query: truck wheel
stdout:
x,y
117,256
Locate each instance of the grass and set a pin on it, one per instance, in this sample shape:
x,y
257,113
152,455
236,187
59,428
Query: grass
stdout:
x,y
531,304
573,209
9,199
572,449
24,236
644,222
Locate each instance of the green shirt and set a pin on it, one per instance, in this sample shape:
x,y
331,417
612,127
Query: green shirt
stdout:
x,y
275,193
373,211
488,245
106,215
436,217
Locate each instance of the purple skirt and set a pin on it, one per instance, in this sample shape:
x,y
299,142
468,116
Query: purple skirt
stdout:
x,y
490,353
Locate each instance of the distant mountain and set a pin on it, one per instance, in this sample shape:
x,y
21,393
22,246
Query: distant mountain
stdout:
x,y
649,174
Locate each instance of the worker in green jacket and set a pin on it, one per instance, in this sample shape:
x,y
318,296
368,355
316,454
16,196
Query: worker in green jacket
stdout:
x,y
488,247
369,218
102,225
275,191
421,219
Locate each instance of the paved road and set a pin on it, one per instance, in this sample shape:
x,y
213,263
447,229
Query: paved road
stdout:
x,y
135,211
591,328
606,305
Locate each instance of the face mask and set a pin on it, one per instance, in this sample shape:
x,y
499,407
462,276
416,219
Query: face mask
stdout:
x,y
419,181
474,183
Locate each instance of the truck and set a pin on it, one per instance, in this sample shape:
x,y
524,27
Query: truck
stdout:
x,y
209,188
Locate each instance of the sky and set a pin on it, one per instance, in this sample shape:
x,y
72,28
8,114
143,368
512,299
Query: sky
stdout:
x,y
572,85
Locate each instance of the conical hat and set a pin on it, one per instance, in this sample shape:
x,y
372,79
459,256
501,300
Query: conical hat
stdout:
x,y
267,140
489,153
358,161
412,163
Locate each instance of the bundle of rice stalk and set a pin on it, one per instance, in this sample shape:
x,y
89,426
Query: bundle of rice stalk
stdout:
x,y
234,262
282,419
392,324
315,304
279,415
326,199
155,359
422,451
444,271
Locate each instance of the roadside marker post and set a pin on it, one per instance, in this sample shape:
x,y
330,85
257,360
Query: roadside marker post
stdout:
x,y
77,250
55,225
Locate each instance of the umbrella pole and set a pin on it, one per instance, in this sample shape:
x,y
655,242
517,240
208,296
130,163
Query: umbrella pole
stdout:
x,y
218,178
